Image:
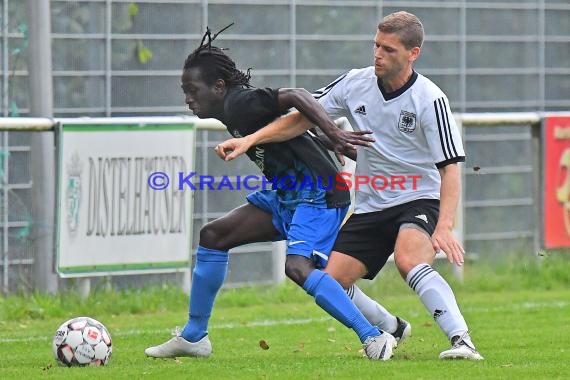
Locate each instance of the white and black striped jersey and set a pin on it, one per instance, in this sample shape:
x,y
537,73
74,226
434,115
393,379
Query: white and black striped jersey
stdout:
x,y
414,130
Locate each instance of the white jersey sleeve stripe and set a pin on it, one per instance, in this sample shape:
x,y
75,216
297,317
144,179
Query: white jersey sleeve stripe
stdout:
x,y
444,130
448,124
439,127
445,124
323,91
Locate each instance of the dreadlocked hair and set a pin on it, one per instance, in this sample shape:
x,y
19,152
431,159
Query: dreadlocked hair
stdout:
x,y
214,64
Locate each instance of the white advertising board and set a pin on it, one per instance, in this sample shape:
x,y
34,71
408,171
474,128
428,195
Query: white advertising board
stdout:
x,y
111,217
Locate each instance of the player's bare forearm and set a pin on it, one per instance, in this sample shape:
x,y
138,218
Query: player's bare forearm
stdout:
x,y
449,197
232,148
330,146
341,141
282,129
302,100
442,238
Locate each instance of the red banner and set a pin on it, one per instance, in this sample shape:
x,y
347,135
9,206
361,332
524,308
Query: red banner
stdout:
x,y
557,182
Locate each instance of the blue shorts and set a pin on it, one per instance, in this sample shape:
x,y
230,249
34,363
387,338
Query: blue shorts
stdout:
x,y
310,231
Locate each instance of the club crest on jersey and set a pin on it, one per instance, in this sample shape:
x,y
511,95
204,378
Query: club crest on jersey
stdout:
x,y
407,123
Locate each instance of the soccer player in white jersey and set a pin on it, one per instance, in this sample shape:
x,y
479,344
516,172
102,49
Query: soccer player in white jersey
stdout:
x,y
415,137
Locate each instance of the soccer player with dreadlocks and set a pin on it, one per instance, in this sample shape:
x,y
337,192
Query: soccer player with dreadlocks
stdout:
x,y
307,217
416,135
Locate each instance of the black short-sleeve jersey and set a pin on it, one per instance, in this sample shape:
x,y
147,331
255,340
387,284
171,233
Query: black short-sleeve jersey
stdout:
x,y
300,169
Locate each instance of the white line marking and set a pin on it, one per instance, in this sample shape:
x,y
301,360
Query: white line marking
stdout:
x,y
285,322
120,332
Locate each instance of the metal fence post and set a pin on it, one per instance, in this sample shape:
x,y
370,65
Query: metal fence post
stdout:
x,y
538,168
42,145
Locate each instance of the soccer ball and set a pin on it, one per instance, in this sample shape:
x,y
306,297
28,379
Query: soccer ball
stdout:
x,y
82,341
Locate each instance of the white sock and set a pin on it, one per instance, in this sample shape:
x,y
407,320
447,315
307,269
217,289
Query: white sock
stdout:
x,y
375,313
438,298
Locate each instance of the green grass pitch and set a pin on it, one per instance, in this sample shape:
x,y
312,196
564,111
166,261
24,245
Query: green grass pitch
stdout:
x,y
519,316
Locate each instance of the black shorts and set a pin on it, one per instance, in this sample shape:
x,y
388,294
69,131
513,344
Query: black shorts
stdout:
x,y
371,237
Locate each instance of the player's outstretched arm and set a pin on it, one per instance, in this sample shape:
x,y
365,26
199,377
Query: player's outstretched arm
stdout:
x,y
309,113
282,129
342,142
350,153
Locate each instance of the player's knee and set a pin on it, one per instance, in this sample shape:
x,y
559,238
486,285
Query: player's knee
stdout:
x,y
298,268
345,280
295,274
404,263
211,237
346,273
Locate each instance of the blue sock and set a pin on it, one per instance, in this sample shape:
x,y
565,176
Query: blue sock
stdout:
x,y
332,298
208,276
